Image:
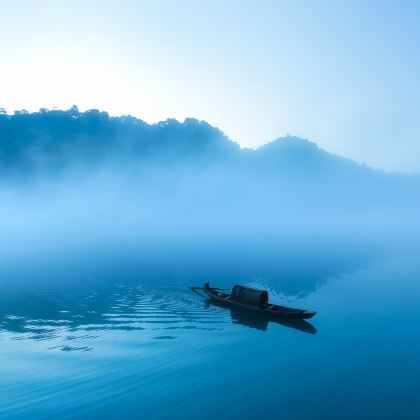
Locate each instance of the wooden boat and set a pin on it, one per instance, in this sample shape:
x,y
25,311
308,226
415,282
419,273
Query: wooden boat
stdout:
x,y
261,320
255,300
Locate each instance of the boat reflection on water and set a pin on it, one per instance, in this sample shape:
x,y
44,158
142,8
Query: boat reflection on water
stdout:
x,y
260,321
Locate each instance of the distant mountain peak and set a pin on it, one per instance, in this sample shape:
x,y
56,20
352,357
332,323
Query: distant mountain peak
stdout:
x,y
291,143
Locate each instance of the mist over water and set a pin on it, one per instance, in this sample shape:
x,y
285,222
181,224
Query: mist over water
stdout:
x,y
104,222
72,179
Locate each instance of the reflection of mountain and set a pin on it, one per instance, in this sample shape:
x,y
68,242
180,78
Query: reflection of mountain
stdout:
x,y
290,265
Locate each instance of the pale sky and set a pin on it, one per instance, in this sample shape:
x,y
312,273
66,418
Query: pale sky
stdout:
x,y
343,74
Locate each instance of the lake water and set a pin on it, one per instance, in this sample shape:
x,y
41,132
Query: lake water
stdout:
x,y
139,344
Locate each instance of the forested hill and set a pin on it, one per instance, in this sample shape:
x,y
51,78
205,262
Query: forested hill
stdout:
x,y
54,139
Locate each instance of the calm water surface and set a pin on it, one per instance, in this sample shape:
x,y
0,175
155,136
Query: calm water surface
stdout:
x,y
142,348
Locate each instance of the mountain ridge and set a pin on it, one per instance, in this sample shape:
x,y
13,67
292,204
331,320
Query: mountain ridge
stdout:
x,y
55,139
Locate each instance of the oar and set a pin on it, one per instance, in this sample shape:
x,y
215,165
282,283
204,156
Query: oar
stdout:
x,y
196,290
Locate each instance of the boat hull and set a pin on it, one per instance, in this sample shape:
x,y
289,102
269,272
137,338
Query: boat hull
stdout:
x,y
277,311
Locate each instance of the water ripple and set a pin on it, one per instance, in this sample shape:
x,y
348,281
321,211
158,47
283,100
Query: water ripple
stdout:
x,y
51,316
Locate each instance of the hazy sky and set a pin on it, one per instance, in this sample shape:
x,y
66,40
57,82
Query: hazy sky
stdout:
x,y
343,74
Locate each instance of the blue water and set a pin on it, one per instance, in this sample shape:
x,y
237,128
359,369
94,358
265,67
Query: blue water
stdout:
x,y
133,344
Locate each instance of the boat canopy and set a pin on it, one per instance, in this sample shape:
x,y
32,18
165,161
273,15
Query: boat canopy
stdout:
x,y
249,296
